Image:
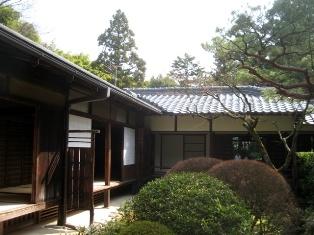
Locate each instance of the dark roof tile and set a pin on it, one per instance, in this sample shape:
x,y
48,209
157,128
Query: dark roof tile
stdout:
x,y
198,100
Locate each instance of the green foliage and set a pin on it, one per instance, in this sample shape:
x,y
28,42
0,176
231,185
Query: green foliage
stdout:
x,y
264,190
186,71
12,19
308,223
145,228
272,47
112,227
119,53
190,203
9,16
83,61
161,81
306,176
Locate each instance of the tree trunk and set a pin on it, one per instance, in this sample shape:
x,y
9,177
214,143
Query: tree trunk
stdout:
x,y
261,147
250,123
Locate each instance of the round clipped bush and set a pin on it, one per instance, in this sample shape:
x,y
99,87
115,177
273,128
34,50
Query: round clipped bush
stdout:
x,y
197,164
263,188
191,203
146,228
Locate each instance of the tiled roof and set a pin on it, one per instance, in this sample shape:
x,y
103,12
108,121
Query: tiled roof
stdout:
x,y
309,119
196,100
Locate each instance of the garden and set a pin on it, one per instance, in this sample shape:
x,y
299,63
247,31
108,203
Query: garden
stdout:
x,y
210,196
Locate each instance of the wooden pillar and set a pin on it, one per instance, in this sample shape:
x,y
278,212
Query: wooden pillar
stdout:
x,y
91,186
108,153
107,198
62,210
107,162
1,228
211,136
35,168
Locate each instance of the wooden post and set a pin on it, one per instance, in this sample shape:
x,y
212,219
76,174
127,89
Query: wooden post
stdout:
x,y
211,145
107,162
62,210
1,228
35,167
91,205
107,198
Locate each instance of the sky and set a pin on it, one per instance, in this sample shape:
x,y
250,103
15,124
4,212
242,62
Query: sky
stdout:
x,y
164,29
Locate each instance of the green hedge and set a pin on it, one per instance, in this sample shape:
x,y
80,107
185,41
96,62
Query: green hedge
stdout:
x,y
264,190
306,176
145,228
191,203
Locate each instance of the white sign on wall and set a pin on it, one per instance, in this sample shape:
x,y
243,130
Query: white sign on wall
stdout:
x,y
80,139
129,146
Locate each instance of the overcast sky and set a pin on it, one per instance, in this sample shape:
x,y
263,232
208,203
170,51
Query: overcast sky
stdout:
x,y
164,29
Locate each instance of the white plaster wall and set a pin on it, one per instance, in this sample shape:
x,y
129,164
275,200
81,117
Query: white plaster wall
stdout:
x,y
101,109
82,107
118,114
225,123
190,123
159,123
220,124
265,123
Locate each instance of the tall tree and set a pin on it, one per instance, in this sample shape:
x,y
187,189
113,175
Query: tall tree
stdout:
x,y
186,71
161,81
119,54
13,19
271,47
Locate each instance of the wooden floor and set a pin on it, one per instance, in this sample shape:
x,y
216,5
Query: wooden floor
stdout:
x,y
100,186
11,211
8,206
15,202
20,189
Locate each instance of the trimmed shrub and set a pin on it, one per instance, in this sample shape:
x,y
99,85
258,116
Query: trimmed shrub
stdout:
x,y
146,228
113,227
306,176
308,226
191,203
197,164
264,189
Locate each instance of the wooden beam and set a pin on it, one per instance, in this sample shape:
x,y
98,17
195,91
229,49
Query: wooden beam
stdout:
x,y
108,153
107,163
176,123
35,167
1,228
62,210
211,136
89,99
107,198
91,186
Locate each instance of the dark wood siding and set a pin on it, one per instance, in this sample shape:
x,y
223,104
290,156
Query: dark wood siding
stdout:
x,y
49,148
16,151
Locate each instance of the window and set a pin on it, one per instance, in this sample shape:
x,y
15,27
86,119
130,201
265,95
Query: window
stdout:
x,y
194,146
178,147
245,147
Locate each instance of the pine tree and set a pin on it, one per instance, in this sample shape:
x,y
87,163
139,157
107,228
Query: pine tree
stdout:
x,y
186,71
119,54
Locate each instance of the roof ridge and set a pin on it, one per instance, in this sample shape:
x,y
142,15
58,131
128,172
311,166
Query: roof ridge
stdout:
x,y
189,88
